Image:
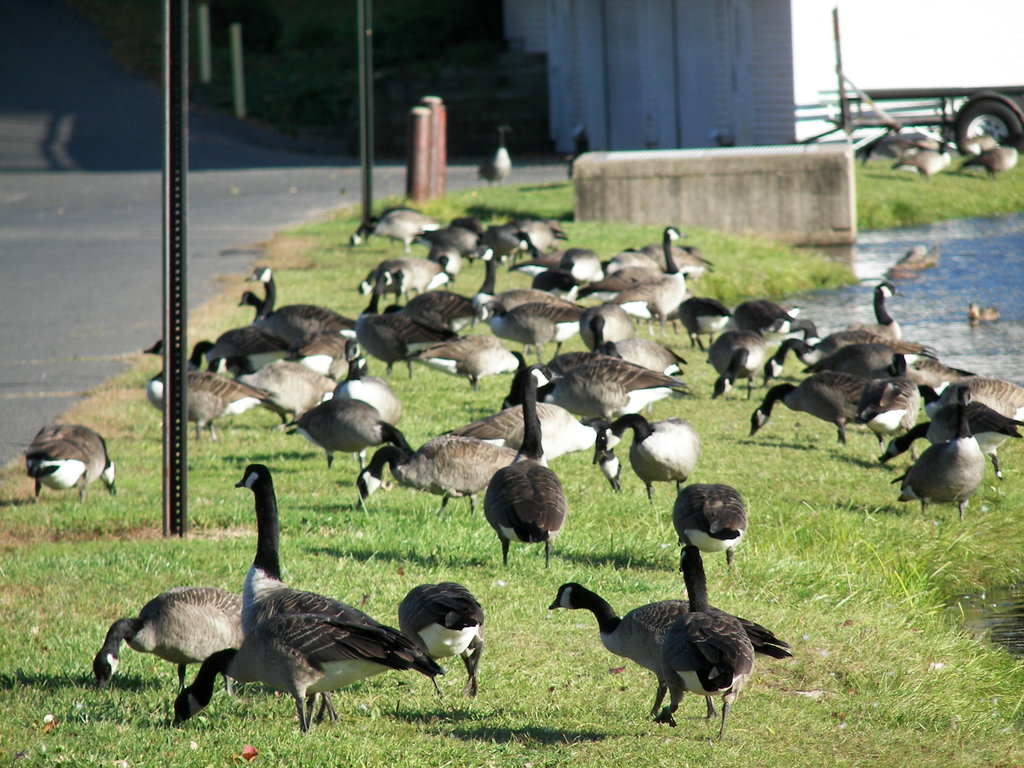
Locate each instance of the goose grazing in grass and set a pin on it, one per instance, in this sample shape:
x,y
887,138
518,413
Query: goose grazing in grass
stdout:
x,y
704,652
533,324
183,625
999,395
473,356
292,322
657,297
325,353
292,388
890,405
445,620
884,324
661,451
447,466
63,456
304,654
245,349
349,426
994,161
830,396
525,501
947,472
810,354
401,224
638,635
372,390
924,160
603,323
498,166
278,617
711,517
445,308
210,397
990,428
736,355
766,317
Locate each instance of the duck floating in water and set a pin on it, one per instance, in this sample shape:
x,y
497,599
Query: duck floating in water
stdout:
x,y
977,314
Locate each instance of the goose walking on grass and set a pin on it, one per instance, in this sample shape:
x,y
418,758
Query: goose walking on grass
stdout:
x,y
890,405
705,652
183,625
525,501
830,396
65,456
703,316
498,166
210,397
947,472
347,426
401,224
736,355
638,635
474,356
447,466
445,620
657,297
711,517
292,322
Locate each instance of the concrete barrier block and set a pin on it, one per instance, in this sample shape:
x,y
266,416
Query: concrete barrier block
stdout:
x,y
802,194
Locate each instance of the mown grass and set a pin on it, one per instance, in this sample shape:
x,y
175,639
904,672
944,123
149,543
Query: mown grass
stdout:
x,y
882,672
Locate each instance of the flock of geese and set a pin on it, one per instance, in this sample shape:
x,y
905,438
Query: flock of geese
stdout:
x,y
928,157
306,364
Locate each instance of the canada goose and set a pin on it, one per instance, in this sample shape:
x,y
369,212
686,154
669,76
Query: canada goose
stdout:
x,y
401,224
543,234
918,257
924,160
703,315
351,426
766,317
447,466
196,359
525,501
292,388
830,396
445,620
292,322
561,432
501,241
371,390
884,325
659,296
473,356
869,361
583,264
183,625
711,517
632,258
498,166
890,405
609,287
978,314
538,264
605,322
687,257
304,654
65,455
999,395
947,472
404,276
463,237
445,308
638,635
645,353
736,355
325,353
245,349
990,428
264,595
394,336
608,387
994,161
511,298
449,259
661,451
533,324
209,397
931,373
704,652
809,354
558,282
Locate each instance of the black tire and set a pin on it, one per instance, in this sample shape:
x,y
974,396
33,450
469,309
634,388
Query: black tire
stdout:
x,y
990,116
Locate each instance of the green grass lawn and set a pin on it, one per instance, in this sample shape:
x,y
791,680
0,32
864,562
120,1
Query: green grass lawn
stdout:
x,y
857,583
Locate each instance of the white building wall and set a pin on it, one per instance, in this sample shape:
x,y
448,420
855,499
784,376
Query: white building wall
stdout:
x,y
526,25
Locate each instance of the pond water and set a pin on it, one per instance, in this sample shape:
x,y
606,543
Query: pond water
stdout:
x,y
981,261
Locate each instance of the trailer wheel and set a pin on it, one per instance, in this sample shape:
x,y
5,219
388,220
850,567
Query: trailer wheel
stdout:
x,y
987,116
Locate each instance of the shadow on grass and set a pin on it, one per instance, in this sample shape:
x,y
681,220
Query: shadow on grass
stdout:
x,y
19,678
525,736
403,557
619,560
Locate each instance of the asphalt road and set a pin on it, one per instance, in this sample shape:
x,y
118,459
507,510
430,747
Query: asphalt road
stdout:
x,y
80,209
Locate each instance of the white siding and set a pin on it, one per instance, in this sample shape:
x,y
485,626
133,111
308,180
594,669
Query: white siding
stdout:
x,y
526,25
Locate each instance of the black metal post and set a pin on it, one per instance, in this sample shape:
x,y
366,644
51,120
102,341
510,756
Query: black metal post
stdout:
x,y
844,104
366,104
175,258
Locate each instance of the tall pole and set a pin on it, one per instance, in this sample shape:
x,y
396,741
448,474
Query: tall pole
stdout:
x,y
844,105
366,104
175,305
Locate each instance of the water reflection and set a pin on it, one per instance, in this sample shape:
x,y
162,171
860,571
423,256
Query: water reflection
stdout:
x,y
996,615
982,260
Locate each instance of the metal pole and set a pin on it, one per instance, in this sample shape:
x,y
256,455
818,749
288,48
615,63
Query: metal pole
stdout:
x,y
237,70
205,60
417,174
175,319
844,106
438,145
366,104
